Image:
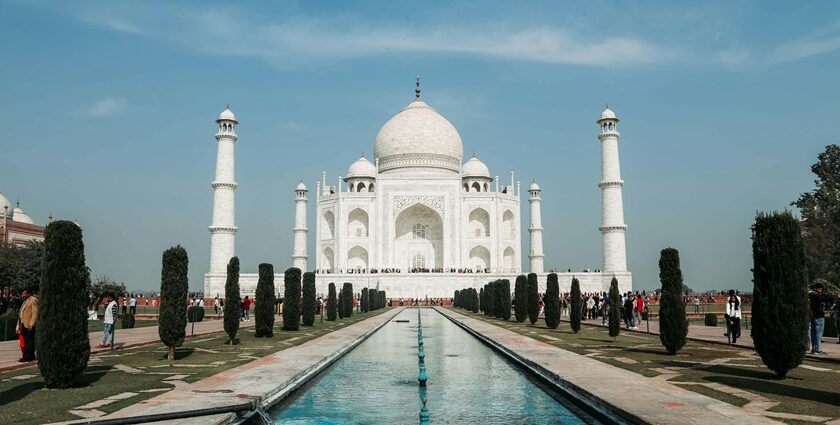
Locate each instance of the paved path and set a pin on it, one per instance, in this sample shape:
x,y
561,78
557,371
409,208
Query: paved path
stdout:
x,y
125,338
270,376
652,400
715,334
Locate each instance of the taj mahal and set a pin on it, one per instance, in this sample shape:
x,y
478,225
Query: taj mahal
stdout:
x,y
418,220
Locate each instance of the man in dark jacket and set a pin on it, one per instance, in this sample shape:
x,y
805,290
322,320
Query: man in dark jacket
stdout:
x,y
816,313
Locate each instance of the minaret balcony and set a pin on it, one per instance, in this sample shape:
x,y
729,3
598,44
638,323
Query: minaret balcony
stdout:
x,y
229,185
617,183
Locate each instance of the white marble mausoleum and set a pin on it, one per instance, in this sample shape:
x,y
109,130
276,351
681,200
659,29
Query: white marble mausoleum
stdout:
x,y
418,220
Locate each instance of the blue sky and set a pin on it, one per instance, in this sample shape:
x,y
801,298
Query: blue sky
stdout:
x,y
108,110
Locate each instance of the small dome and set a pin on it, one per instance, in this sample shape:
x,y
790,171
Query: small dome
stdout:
x,y
475,168
534,186
300,187
228,115
21,217
418,136
361,168
608,114
4,203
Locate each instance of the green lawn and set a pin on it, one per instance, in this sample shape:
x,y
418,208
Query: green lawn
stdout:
x,y
24,400
97,325
714,370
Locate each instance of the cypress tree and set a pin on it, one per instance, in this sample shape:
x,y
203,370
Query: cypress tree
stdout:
x,y
504,286
341,308
481,299
233,306
575,307
673,324
291,299
363,301
331,303
615,309
521,296
475,300
174,290
371,294
455,299
552,302
780,292
490,309
63,343
264,298
533,298
348,299
307,306
382,299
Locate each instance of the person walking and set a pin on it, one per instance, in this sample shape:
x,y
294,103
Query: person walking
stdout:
x,y
27,321
246,305
733,316
132,305
216,305
108,321
627,312
816,313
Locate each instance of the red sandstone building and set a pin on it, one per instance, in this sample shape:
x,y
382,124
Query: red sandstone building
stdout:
x,y
16,227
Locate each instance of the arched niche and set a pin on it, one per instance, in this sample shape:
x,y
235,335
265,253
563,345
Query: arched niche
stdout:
x,y
357,224
479,223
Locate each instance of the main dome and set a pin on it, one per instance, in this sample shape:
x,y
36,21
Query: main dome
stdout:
x,y
418,137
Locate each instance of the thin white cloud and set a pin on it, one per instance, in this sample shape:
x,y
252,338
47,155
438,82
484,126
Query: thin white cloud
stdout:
x,y
107,106
230,32
800,49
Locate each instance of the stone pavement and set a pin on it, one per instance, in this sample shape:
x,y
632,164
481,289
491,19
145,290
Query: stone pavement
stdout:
x,y
652,400
715,334
125,338
259,379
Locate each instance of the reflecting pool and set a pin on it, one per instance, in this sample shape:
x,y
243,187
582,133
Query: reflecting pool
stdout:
x,y
376,383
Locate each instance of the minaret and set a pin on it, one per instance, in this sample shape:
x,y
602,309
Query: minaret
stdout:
x,y
299,253
223,229
612,206
536,229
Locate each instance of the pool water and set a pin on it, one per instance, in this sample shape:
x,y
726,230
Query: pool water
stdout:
x,y
376,383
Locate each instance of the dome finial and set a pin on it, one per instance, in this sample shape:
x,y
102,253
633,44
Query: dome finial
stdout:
x,y
363,153
417,90
473,154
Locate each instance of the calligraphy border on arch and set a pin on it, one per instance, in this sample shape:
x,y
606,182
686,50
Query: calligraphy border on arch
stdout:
x,y
435,202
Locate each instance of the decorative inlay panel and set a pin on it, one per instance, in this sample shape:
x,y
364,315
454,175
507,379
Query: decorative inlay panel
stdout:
x,y
435,202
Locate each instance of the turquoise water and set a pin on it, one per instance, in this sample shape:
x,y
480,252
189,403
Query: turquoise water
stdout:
x,y
376,383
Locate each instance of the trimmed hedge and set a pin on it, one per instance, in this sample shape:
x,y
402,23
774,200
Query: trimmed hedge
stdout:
x,y
521,296
265,300
291,299
331,303
533,298
62,339
575,306
673,323
710,319
233,301
552,302
309,304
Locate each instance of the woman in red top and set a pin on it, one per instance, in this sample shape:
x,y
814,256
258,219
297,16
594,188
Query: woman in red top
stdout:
x,y
246,305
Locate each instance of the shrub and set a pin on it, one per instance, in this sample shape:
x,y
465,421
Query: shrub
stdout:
x,y
455,299
348,299
341,309
474,300
533,298
780,293
63,343
331,303
504,290
308,305
291,299
673,324
575,306
194,314
615,309
520,292
552,302
8,322
265,300
490,304
174,288
481,299
233,302
710,319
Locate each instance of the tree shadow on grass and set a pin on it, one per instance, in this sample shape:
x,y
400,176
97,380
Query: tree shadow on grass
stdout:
x,y
19,391
743,372
661,352
764,386
180,353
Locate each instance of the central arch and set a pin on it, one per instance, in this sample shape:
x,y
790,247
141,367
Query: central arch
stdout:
x,y
418,230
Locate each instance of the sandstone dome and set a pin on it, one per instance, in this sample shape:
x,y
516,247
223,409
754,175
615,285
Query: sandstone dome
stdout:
x,y
418,137
361,168
475,168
